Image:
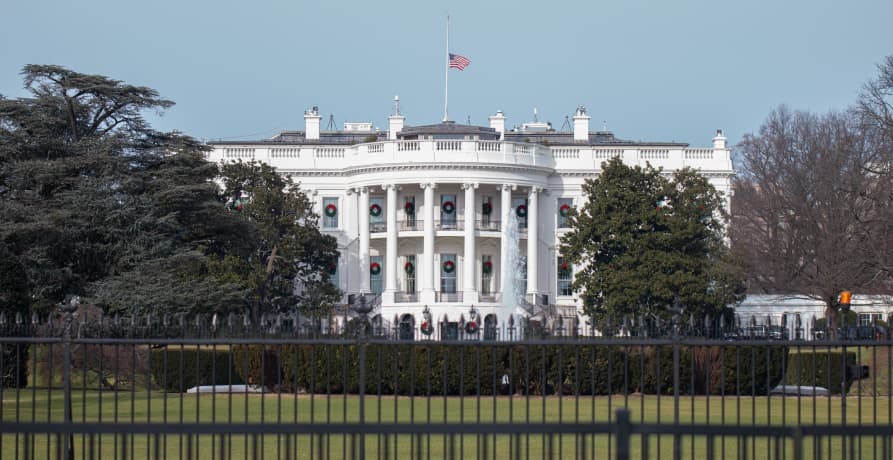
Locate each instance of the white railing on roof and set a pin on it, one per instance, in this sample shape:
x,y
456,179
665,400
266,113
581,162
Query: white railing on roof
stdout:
x,y
559,152
408,146
330,152
489,146
448,145
698,154
288,152
606,154
238,152
654,154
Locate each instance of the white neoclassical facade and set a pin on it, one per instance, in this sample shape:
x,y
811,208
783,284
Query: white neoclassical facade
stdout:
x,y
420,212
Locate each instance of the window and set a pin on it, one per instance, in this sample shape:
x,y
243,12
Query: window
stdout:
x,y
486,210
409,271
448,273
375,278
565,205
409,210
333,272
565,278
448,212
519,207
487,275
377,222
522,260
330,212
868,319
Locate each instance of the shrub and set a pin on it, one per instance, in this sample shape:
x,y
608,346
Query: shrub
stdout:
x,y
178,369
820,368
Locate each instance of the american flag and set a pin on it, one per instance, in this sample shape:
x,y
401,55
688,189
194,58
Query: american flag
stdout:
x,y
458,61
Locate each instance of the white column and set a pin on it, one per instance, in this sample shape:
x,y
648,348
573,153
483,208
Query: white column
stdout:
x,y
469,269
505,206
426,291
532,239
391,245
363,210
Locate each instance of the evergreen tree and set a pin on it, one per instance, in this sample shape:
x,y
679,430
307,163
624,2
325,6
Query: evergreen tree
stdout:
x,y
285,258
96,203
642,241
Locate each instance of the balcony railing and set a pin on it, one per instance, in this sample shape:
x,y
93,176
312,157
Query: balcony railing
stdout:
x,y
406,297
448,296
452,224
489,226
378,227
414,225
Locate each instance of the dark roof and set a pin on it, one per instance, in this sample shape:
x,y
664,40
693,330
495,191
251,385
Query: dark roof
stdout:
x,y
448,129
605,138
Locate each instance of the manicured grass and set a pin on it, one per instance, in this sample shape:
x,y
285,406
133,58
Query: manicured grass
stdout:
x,y
171,409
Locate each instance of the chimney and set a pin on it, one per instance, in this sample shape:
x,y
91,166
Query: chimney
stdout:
x,y
311,123
497,122
719,142
581,125
395,121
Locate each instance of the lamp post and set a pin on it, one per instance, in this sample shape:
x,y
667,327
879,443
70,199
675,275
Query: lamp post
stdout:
x,y
362,308
68,309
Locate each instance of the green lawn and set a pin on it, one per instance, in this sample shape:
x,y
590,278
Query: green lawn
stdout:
x,y
170,409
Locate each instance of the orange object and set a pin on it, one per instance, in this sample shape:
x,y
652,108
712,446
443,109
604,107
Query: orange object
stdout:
x,y
845,297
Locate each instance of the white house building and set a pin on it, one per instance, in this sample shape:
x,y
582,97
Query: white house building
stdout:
x,y
429,217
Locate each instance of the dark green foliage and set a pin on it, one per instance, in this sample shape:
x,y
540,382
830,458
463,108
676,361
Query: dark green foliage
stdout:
x,y
96,203
177,369
283,248
493,369
643,240
14,302
820,368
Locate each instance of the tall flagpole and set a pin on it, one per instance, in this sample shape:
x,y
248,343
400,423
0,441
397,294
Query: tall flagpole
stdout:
x,y
446,71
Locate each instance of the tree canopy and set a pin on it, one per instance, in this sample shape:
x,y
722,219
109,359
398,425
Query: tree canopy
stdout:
x,y
642,240
284,247
813,203
97,203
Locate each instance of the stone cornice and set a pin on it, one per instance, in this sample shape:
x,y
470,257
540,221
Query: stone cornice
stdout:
x,y
347,172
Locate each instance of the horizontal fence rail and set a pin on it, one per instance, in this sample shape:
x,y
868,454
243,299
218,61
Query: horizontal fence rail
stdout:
x,y
80,385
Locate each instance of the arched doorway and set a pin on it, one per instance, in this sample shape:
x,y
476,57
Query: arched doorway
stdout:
x,y
406,327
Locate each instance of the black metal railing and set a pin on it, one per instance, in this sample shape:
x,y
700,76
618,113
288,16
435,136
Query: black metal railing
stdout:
x,y
77,384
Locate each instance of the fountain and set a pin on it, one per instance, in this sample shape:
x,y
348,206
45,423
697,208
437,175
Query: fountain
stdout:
x,y
512,302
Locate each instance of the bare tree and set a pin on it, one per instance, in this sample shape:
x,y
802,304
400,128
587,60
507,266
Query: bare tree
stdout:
x,y
876,99
811,208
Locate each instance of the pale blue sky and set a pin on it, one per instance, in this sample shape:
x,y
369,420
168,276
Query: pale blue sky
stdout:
x,y
653,70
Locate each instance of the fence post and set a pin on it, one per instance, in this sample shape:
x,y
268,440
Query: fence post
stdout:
x,y
623,432
363,308
67,310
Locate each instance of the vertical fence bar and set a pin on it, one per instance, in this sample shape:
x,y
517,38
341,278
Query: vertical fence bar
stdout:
x,y
622,433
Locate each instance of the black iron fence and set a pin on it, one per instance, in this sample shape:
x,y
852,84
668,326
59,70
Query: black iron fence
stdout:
x,y
77,385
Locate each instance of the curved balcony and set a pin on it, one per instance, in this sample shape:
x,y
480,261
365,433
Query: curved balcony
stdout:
x,y
418,225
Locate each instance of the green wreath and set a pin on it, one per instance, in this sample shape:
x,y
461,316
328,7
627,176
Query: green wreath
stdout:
x,y
521,211
564,210
331,210
374,268
448,207
409,268
486,209
375,210
449,266
409,208
488,267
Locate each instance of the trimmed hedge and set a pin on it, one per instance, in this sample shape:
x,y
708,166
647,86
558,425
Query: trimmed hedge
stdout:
x,y
175,369
820,368
487,369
